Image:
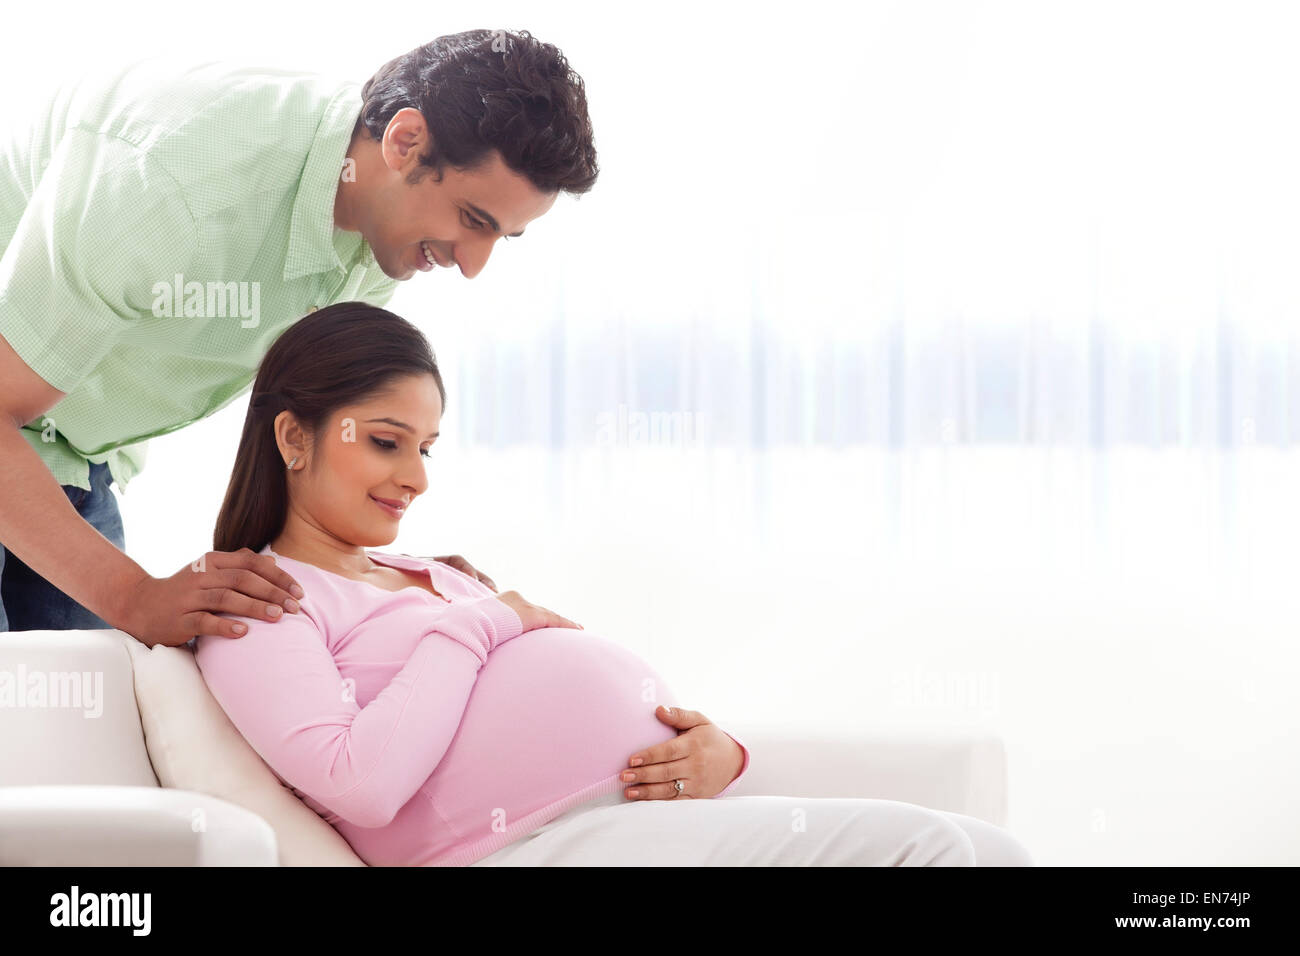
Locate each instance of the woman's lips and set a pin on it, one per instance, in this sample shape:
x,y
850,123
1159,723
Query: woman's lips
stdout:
x,y
394,512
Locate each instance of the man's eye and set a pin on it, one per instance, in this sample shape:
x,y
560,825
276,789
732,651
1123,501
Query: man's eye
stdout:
x,y
474,223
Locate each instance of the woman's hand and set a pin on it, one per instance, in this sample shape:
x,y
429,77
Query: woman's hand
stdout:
x,y
531,615
702,756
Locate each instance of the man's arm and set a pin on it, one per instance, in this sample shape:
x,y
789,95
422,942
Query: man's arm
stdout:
x,y
37,522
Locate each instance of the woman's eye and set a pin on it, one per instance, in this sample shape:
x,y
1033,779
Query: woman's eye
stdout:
x,y
474,223
390,445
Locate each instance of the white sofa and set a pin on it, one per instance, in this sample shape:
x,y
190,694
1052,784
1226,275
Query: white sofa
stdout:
x,y
126,760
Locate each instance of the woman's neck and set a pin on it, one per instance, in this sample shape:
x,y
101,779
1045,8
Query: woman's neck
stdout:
x,y
347,560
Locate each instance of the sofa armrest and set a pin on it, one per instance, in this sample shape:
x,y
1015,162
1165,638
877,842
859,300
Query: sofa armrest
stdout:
x,y
963,771
83,727
128,826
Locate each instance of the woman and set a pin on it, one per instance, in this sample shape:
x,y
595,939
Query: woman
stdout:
x,y
434,722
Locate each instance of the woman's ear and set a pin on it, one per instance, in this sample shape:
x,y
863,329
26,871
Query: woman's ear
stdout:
x,y
289,436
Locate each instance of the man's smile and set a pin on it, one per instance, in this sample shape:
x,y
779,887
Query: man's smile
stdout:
x,y
429,258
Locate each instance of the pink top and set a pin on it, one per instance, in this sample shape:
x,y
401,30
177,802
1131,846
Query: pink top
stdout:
x,y
431,731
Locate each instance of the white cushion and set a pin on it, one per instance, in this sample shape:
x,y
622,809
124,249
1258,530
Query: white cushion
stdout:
x,y
194,746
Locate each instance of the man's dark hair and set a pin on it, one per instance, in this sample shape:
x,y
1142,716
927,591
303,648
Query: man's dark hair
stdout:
x,y
491,89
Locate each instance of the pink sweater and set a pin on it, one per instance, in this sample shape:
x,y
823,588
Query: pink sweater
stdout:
x,y
430,731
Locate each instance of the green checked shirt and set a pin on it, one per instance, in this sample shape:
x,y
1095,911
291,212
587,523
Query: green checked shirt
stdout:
x,y
161,225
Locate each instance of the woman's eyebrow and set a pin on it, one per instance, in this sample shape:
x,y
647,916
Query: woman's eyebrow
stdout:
x,y
393,421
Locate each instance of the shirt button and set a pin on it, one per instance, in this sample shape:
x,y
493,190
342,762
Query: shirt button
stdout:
x,y
311,310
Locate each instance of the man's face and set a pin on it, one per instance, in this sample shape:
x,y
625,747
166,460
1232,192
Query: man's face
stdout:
x,y
458,220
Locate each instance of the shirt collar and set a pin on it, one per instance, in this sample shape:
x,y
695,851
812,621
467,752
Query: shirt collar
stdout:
x,y
311,228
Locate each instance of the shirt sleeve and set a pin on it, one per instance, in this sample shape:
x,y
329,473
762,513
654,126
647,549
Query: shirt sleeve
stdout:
x,y
104,224
282,690
743,766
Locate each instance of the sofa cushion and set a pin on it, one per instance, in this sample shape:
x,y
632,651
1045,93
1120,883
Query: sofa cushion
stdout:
x,y
194,746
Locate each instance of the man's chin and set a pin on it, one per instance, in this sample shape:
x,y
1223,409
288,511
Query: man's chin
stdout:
x,y
403,273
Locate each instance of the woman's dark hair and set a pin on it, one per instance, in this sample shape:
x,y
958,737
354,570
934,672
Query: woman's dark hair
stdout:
x,y
491,89
344,354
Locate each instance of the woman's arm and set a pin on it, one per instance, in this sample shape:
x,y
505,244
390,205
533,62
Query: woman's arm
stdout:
x,y
281,688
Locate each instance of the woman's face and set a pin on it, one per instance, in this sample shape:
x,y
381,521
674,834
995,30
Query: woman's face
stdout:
x,y
366,452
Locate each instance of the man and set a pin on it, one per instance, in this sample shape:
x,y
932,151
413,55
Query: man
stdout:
x,y
161,229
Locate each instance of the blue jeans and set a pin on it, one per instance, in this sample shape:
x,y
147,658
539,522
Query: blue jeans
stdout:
x,y
30,603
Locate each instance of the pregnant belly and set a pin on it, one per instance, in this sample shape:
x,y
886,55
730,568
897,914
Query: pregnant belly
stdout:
x,y
554,711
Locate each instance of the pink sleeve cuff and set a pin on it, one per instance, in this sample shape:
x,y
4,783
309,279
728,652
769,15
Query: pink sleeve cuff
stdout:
x,y
508,623
743,766
481,625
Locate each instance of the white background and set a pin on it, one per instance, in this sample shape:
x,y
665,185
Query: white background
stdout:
x,y
985,317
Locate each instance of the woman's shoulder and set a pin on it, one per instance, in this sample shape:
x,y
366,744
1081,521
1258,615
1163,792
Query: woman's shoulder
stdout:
x,y
320,605
301,569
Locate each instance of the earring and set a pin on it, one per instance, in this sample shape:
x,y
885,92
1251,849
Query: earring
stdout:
x,y
293,462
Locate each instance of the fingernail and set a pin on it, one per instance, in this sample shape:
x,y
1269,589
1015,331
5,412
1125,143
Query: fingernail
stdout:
x,y
636,761
295,590
273,610
238,628
291,606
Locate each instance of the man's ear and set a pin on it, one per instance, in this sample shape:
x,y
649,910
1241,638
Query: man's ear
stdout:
x,y
406,139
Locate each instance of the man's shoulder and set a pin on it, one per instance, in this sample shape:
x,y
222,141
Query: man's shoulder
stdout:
x,y
254,122
167,92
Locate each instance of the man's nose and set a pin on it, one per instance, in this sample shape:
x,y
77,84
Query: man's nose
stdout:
x,y
472,258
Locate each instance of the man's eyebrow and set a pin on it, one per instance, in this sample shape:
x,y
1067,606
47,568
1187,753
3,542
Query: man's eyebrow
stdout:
x,y
491,220
392,421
